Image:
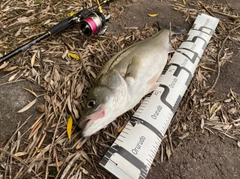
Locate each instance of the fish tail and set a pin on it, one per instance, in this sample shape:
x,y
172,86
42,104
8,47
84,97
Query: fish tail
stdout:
x,y
177,30
173,29
170,48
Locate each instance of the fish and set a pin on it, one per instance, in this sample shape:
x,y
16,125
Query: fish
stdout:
x,y
124,80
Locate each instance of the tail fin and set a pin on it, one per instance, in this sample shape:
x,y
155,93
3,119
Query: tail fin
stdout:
x,y
173,29
171,49
177,30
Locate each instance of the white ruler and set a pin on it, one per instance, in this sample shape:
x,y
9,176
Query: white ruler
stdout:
x,y
132,153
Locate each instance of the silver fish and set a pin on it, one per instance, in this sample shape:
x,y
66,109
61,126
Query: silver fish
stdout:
x,y
125,79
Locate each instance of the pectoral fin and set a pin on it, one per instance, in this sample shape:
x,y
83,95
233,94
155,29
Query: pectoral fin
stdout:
x,y
133,67
152,82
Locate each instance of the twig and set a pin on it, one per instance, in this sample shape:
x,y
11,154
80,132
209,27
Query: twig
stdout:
x,y
63,165
10,82
6,168
32,125
10,73
170,140
210,12
218,62
4,4
104,51
227,15
5,147
228,5
18,173
206,8
10,164
17,158
53,140
67,168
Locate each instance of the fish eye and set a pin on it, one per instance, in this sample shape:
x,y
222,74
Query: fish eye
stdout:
x,y
91,104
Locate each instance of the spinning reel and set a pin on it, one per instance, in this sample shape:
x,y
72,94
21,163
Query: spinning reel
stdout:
x,y
93,23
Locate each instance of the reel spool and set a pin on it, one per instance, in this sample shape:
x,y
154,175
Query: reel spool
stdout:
x,y
93,23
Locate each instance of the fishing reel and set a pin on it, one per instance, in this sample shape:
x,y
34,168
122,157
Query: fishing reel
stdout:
x,y
92,23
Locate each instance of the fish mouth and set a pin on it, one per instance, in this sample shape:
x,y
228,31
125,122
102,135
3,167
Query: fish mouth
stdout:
x,y
87,127
88,121
83,123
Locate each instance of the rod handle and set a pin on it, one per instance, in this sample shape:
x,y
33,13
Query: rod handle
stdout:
x,y
60,26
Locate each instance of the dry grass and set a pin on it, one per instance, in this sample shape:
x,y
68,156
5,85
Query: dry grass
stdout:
x,y
44,151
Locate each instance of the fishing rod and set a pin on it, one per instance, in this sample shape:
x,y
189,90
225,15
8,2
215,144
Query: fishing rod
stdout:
x,y
91,22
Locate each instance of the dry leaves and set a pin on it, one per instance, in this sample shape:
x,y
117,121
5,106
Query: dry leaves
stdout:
x,y
74,56
29,105
152,15
65,66
69,127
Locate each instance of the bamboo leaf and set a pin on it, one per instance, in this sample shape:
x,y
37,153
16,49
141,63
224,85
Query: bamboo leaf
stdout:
x,y
29,105
3,65
25,19
69,127
10,68
214,108
13,76
18,32
33,59
30,91
97,43
74,56
238,143
152,15
71,13
64,54
19,154
79,90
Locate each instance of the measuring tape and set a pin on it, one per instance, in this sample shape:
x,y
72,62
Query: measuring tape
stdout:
x,y
132,153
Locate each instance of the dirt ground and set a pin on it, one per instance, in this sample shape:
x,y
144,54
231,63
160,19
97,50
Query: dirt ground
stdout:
x,y
201,149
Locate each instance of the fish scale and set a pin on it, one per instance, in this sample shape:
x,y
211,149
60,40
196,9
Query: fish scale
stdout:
x,y
132,153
